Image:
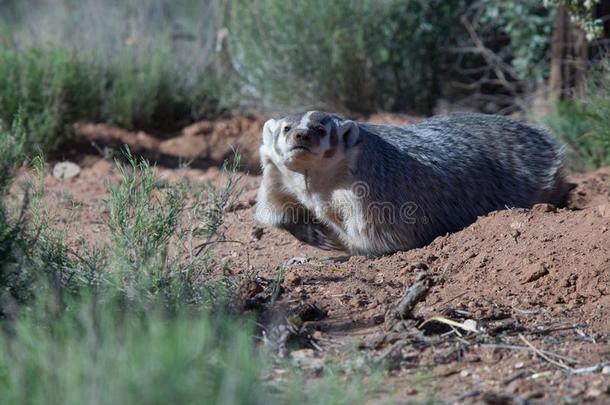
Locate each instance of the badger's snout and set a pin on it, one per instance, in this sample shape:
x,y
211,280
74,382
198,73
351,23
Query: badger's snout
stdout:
x,y
302,139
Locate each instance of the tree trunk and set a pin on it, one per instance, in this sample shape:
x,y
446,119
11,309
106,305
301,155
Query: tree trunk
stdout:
x,y
557,54
569,56
581,56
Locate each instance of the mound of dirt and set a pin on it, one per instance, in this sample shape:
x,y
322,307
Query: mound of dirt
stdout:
x,y
203,144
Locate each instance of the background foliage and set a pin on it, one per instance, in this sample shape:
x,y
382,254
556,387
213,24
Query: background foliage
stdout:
x,y
161,64
355,55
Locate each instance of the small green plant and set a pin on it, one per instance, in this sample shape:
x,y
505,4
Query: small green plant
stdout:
x,y
32,256
154,227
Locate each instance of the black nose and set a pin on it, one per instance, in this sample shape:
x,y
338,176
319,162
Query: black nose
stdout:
x,y
302,136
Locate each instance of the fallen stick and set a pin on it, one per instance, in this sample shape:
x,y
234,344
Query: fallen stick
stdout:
x,y
544,356
528,348
413,294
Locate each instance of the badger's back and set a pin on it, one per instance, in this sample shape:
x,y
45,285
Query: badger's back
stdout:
x,y
455,168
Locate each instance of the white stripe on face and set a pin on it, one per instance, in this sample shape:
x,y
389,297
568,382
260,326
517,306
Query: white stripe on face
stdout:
x,y
305,120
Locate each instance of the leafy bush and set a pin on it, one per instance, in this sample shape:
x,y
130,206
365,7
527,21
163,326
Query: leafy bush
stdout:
x,y
582,12
585,124
525,27
361,55
151,90
76,342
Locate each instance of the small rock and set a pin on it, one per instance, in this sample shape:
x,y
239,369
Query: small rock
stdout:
x,y
534,272
606,370
301,354
65,170
470,325
593,393
296,260
517,225
519,365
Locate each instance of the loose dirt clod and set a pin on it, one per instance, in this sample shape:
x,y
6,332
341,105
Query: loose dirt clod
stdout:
x,y
534,272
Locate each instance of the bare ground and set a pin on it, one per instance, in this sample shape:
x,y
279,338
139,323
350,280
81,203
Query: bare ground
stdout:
x,y
534,284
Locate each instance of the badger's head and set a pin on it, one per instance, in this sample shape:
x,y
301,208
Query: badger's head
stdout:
x,y
311,141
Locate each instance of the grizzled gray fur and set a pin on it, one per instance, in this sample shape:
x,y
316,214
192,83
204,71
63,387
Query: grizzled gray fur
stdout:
x,y
375,189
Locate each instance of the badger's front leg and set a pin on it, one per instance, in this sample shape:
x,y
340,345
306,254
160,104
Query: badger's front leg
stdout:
x,y
277,207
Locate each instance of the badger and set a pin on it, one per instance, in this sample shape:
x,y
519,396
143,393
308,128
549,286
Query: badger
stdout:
x,y
376,189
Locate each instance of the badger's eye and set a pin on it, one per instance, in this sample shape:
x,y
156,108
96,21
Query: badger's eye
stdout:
x,y
320,129
287,128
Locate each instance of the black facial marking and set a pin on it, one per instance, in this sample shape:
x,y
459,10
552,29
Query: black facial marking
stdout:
x,y
334,138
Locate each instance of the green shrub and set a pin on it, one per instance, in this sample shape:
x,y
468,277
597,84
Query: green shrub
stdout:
x,y
152,260
150,90
522,31
52,87
56,88
361,55
584,125
153,256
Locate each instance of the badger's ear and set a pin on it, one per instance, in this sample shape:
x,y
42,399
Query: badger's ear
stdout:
x,y
349,132
268,130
